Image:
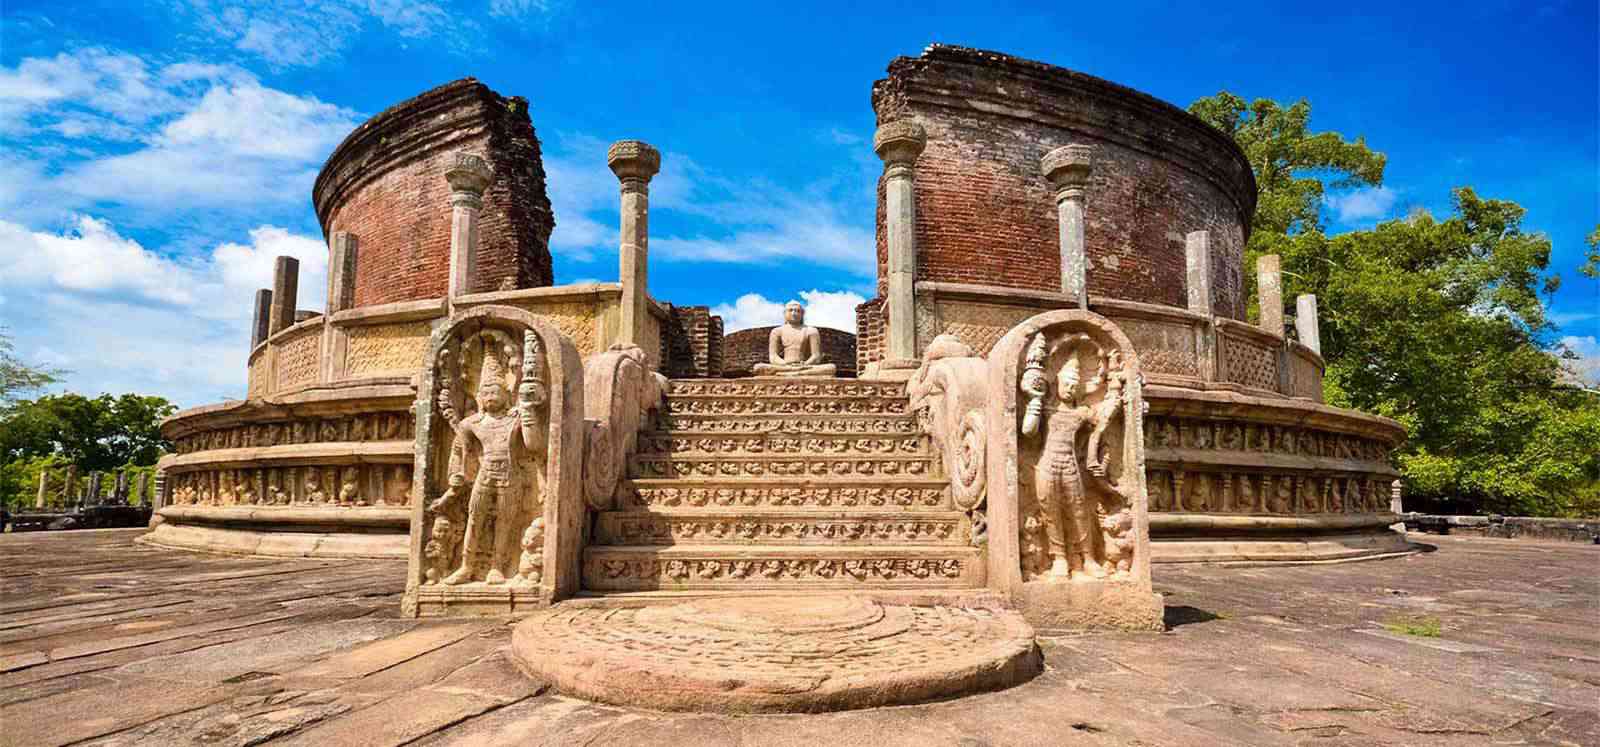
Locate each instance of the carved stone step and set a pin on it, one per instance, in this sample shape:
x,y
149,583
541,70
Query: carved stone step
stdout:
x,y
801,425
782,466
826,493
634,568
785,387
842,528
780,444
786,406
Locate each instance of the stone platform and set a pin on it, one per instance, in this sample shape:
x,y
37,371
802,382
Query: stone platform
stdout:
x,y
776,654
104,641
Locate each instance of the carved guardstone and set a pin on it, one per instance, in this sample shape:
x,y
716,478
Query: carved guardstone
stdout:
x,y
498,470
794,349
1068,520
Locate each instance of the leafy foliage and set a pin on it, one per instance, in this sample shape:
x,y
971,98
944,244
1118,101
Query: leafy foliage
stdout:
x,y
1438,323
17,377
101,433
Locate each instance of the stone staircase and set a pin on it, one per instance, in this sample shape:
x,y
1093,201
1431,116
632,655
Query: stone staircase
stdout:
x,y
755,484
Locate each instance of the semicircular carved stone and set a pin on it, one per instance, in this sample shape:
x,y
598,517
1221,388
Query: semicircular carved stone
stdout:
x,y
948,392
602,468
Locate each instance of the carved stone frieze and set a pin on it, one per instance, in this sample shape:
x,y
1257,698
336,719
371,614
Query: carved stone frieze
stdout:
x,y
602,571
378,426
780,444
1273,493
312,485
659,529
813,496
778,406
1165,432
817,466
688,424
386,348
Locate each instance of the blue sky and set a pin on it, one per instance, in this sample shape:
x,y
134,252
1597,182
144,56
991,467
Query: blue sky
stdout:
x,y
154,157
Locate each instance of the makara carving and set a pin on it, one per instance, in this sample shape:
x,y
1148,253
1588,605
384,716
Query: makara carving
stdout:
x,y
948,394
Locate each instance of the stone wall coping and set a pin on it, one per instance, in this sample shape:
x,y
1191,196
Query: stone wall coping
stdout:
x,y
399,311
1250,332
1185,457
322,453
553,293
396,517
1219,160
345,398
295,330
1043,300
1275,410
1209,524
1296,348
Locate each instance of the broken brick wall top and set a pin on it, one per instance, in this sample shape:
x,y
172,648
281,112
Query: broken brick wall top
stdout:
x,y
385,184
986,214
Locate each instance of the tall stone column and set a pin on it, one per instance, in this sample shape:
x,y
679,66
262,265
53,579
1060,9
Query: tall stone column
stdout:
x,y
44,489
159,488
261,324
898,144
93,498
469,177
70,492
1269,289
634,162
1306,323
341,296
145,496
285,287
1067,168
120,492
1197,261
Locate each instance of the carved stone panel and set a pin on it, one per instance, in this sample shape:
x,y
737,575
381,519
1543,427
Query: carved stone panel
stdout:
x,y
499,514
1068,515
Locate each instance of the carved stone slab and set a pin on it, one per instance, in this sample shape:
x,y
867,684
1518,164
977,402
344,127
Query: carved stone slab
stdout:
x,y
499,513
1068,518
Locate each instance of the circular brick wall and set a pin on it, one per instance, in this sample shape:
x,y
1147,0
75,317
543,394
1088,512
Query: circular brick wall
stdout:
x,y
385,184
743,349
986,215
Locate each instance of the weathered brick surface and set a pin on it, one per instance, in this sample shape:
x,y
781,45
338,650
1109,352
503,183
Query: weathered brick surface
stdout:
x,y
693,343
743,349
985,213
385,184
870,324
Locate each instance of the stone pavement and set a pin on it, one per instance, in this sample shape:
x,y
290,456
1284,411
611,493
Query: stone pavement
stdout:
x,y
103,641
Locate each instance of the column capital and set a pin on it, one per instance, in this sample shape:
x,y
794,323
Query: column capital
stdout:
x,y
899,143
1067,168
469,175
634,162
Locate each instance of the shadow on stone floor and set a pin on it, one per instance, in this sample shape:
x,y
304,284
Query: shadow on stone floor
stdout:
x,y
1175,616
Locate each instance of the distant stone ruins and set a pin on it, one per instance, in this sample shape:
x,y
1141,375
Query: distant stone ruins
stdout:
x,y
1054,388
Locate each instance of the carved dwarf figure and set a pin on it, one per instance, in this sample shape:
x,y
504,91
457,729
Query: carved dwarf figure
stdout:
x,y
793,349
530,568
349,490
499,437
314,493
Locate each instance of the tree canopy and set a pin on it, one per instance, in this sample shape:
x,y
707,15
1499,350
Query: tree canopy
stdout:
x,y
18,377
1437,322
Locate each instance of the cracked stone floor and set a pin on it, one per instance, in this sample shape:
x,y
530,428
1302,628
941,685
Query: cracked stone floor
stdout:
x,y
103,641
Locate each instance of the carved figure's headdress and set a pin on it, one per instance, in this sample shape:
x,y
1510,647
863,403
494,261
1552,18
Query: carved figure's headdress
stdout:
x,y
492,373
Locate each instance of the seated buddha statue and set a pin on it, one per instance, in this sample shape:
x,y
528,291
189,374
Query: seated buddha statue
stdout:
x,y
793,349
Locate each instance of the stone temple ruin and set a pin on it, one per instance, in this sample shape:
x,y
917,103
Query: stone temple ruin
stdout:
x,y
1055,387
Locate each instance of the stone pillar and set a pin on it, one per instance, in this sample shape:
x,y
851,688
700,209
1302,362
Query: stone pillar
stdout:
x,y
159,489
70,492
898,144
341,296
1305,322
1067,168
1269,289
1197,261
145,496
634,162
44,489
93,498
261,324
285,287
468,178
120,492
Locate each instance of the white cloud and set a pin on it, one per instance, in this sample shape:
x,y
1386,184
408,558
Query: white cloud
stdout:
x,y
125,318
1362,204
206,135
836,309
1586,369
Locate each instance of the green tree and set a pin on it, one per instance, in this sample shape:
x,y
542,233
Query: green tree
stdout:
x,y
1294,167
17,377
100,433
1438,323
1591,263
